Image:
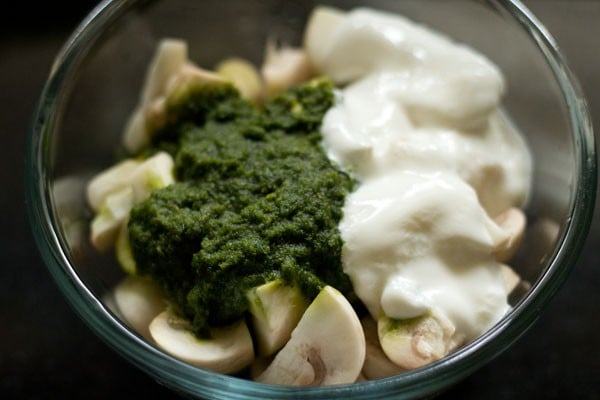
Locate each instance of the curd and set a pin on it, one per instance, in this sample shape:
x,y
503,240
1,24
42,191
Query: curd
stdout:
x,y
418,124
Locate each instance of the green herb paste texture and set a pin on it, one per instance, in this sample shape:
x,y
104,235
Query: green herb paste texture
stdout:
x,y
256,198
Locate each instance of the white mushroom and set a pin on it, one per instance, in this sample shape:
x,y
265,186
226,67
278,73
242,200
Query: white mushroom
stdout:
x,y
244,77
109,181
169,70
283,68
126,185
321,25
154,173
107,222
415,342
513,222
188,76
276,310
377,363
227,351
327,346
139,300
170,55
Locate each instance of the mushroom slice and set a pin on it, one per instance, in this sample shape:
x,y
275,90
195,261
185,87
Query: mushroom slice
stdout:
x,y
135,182
513,222
138,301
321,25
142,176
377,363
166,107
284,67
187,77
276,310
109,181
327,346
227,351
154,173
414,342
106,224
170,55
244,77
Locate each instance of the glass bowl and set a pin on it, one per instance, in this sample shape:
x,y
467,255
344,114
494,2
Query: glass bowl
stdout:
x,y
94,84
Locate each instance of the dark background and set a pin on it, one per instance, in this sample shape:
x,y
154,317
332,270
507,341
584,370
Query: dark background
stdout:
x,y
47,352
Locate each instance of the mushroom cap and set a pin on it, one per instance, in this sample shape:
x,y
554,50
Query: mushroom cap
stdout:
x,y
327,346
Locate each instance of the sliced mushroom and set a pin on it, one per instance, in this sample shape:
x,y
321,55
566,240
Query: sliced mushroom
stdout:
x,y
284,67
227,351
244,77
170,55
185,79
327,346
106,224
513,222
169,71
109,181
321,25
415,342
377,363
139,300
135,182
276,310
154,173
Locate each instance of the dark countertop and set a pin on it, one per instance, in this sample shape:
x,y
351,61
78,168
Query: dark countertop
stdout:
x,y
47,352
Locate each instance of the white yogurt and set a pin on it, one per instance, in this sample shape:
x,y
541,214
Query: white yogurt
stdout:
x,y
415,241
419,125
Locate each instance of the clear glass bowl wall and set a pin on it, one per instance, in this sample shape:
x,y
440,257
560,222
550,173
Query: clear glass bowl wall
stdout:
x,y
94,85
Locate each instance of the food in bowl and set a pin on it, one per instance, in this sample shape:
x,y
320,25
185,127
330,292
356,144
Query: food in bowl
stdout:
x,y
357,200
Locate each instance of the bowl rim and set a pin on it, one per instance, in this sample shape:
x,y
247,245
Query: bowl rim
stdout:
x,y
195,381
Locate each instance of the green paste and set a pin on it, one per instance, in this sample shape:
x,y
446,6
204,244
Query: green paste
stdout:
x,y
256,198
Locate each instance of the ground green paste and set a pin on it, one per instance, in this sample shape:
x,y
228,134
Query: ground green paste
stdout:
x,y
256,198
